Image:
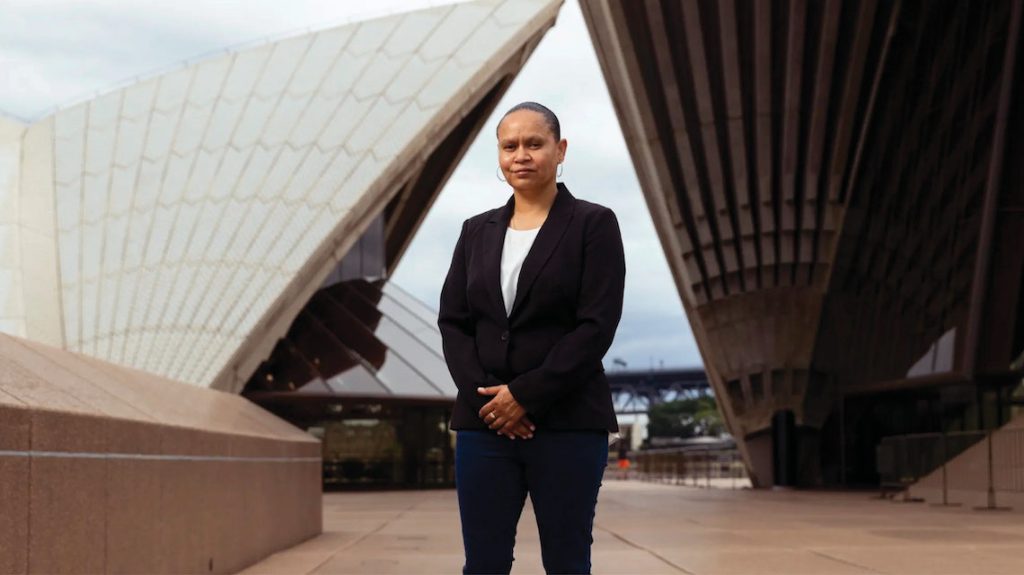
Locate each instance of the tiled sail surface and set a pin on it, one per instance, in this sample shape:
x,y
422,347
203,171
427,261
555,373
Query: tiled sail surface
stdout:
x,y
186,204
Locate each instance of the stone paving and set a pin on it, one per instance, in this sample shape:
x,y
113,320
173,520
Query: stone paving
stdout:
x,y
645,528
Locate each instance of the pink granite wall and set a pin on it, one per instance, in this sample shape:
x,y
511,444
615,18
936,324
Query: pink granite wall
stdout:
x,y
104,469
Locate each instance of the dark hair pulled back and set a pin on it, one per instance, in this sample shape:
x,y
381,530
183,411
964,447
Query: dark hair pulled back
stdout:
x,y
549,117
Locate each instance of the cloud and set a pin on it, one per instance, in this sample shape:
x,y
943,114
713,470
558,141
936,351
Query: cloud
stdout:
x,y
57,52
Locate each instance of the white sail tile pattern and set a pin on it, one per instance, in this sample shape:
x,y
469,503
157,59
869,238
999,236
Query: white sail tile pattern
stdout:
x,y
193,209
12,311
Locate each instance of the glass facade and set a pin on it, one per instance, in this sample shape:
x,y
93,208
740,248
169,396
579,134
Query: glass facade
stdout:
x,y
362,369
371,444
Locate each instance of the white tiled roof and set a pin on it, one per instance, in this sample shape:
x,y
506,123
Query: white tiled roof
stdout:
x,y
187,205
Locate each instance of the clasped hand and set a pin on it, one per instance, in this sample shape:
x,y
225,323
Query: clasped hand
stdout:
x,y
504,414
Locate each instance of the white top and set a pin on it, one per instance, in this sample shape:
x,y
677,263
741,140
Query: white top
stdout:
x,y
517,245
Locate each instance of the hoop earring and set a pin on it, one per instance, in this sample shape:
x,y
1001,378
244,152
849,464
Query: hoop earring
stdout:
x,y
497,174
558,173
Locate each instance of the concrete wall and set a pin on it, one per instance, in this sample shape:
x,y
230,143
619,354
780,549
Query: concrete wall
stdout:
x,y
39,269
105,469
12,309
29,287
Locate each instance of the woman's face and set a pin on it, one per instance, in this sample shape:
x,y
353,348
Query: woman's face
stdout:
x,y
527,151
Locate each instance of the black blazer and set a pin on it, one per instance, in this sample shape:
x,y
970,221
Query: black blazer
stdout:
x,y
568,304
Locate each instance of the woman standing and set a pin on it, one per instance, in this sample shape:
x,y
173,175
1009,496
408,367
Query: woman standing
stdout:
x,y
528,310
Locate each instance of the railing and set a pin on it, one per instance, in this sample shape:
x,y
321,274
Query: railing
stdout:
x,y
1008,461
696,466
904,460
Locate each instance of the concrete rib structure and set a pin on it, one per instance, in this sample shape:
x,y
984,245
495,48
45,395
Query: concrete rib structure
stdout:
x,y
178,225
806,165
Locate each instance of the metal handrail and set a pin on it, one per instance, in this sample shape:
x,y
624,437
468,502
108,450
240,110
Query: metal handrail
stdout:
x,y
692,465
902,460
905,460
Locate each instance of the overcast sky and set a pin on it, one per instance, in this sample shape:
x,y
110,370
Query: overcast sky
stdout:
x,y
54,53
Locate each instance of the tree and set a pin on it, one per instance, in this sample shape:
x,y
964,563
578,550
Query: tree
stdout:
x,y
692,417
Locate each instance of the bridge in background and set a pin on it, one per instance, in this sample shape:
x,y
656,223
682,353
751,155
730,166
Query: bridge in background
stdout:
x,y
635,392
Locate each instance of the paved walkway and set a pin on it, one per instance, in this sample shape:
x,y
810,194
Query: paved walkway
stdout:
x,y
647,528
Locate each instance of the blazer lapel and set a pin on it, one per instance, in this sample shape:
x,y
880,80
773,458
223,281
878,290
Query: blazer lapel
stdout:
x,y
494,243
548,236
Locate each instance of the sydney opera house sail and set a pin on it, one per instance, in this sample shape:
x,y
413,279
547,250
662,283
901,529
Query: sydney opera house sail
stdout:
x,y
178,225
233,221
835,186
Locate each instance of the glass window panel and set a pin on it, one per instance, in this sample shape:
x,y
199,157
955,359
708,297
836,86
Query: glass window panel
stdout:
x,y
421,309
412,351
429,335
403,379
356,381
314,387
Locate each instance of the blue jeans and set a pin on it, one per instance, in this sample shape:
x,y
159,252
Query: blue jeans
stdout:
x,y
561,470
